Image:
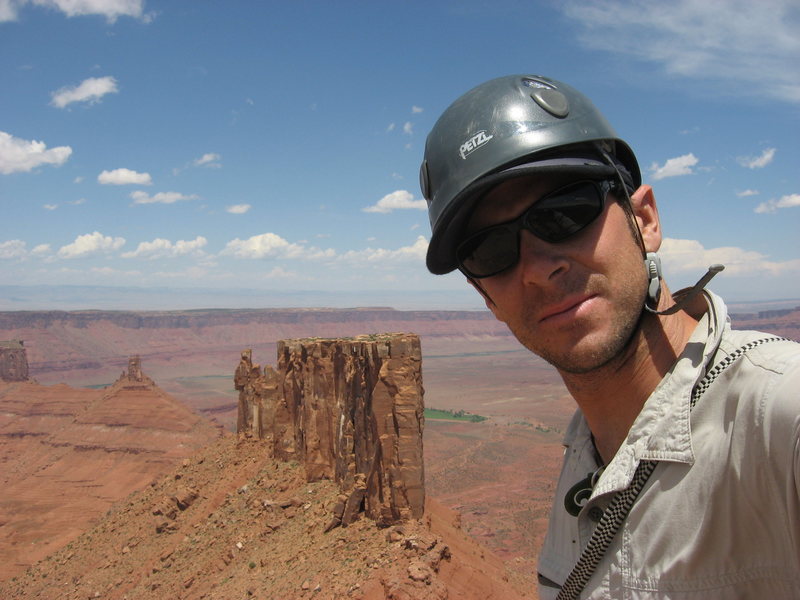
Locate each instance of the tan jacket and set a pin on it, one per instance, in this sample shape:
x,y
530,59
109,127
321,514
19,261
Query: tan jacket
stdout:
x,y
720,515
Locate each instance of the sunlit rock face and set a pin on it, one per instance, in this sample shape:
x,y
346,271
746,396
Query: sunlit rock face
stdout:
x,y
350,410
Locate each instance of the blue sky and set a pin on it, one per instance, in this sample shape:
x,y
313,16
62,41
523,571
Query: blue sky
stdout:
x,y
186,147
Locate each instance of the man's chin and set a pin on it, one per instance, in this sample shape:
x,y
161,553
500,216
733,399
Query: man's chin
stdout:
x,y
586,355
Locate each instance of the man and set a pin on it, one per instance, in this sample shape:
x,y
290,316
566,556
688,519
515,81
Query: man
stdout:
x,y
681,473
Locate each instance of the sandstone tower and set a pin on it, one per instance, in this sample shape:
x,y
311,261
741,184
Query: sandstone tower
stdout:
x,y
350,410
13,361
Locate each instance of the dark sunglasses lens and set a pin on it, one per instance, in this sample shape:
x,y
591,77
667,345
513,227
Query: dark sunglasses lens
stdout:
x,y
489,251
565,213
553,218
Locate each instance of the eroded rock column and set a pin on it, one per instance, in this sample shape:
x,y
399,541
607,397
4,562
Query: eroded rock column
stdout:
x,y
350,410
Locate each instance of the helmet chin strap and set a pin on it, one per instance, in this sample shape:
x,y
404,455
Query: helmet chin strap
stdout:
x,y
652,264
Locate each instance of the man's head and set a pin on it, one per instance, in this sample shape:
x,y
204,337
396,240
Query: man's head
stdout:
x,y
506,128
534,198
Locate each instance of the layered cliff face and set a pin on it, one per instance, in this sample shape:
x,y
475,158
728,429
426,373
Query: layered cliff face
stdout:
x,y
350,410
13,361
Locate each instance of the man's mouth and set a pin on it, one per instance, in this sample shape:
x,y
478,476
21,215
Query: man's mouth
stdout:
x,y
568,308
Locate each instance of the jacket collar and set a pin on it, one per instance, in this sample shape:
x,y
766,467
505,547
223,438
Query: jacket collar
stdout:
x,y
662,431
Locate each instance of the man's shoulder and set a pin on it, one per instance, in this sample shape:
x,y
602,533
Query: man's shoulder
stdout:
x,y
764,351
764,383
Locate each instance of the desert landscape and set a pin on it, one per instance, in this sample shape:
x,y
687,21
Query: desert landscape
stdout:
x,y
494,476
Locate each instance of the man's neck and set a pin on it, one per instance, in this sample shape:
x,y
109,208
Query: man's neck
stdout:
x,y
612,396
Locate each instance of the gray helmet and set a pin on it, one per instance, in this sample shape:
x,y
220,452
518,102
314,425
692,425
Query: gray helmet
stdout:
x,y
504,128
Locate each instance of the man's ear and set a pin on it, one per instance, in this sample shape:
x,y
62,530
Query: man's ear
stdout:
x,y
645,211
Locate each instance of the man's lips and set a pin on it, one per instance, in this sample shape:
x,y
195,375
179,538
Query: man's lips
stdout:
x,y
567,308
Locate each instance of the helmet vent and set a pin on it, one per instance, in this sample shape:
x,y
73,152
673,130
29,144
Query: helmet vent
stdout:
x,y
552,101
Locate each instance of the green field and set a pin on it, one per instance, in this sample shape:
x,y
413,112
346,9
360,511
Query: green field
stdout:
x,y
453,415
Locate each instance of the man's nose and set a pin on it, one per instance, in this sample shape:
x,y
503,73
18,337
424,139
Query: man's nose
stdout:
x,y
540,262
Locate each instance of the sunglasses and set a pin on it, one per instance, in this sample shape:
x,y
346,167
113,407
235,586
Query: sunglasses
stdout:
x,y
553,218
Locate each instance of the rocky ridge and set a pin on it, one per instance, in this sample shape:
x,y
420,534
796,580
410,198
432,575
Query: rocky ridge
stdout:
x,y
68,454
60,342
232,523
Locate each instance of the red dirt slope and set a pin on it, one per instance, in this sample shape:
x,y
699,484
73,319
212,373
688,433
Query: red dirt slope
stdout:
x,y
67,454
231,523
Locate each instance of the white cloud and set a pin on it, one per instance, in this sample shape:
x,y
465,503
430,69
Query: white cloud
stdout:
x,y
140,197
408,128
265,245
209,160
161,248
414,253
17,249
690,255
13,249
18,155
770,206
281,274
750,47
110,9
89,90
680,165
271,245
390,128
89,244
416,109
50,206
124,177
8,10
78,179
398,200
758,162
238,209
747,193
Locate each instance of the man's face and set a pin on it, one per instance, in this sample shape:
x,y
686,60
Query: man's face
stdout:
x,y
575,303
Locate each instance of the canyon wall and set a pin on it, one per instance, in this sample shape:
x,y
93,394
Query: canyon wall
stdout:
x,y
350,410
13,361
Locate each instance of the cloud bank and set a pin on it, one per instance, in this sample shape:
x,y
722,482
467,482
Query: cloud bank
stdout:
x,y
746,46
18,155
161,248
110,9
90,244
